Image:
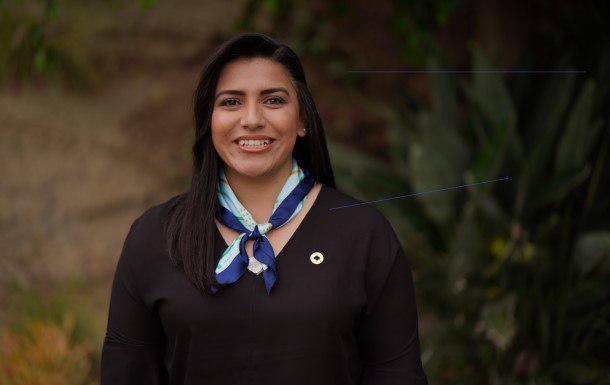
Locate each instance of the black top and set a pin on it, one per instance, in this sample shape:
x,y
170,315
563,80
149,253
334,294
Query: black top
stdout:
x,y
350,319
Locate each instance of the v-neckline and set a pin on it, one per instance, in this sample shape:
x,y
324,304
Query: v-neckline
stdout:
x,y
314,206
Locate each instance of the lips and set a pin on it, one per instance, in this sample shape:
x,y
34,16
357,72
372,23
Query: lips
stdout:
x,y
253,143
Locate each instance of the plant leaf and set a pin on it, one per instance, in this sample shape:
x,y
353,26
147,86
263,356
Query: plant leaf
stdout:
x,y
592,252
497,321
579,134
444,94
495,115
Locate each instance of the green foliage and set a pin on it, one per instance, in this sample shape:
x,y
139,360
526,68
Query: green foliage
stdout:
x,y
308,29
36,44
415,23
310,26
147,3
514,274
27,49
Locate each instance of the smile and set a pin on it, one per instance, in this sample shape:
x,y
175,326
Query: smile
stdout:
x,y
254,143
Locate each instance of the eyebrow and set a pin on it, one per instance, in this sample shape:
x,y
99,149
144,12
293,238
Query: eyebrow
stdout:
x,y
263,92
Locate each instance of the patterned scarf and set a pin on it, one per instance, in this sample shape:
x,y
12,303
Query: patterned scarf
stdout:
x,y
235,260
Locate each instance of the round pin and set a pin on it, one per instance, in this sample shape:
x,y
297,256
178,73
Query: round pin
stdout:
x,y
316,258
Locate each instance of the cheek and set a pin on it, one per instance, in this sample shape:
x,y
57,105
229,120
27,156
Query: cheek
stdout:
x,y
292,124
218,128
217,138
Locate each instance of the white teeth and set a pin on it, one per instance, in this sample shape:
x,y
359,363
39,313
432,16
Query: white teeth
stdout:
x,y
254,143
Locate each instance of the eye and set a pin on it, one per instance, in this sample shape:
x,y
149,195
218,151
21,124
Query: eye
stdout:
x,y
229,103
274,100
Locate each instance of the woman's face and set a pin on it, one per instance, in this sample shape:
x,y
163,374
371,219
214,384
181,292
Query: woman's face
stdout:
x,y
256,120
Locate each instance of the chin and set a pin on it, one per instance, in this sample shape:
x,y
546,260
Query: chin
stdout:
x,y
251,172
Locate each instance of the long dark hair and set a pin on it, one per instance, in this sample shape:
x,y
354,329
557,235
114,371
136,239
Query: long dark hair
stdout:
x,y
191,231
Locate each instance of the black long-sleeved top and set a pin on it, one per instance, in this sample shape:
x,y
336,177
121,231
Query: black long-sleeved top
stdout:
x,y
348,320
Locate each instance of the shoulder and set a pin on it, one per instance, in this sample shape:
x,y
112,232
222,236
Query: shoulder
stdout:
x,y
352,221
154,218
147,232
338,206
144,257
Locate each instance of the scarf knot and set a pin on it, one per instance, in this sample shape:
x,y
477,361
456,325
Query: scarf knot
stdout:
x,y
235,261
255,234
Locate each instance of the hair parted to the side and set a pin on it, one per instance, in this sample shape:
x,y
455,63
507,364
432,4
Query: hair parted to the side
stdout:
x,y
191,228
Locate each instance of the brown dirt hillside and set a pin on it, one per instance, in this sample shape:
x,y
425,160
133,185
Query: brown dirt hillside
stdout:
x,y
79,166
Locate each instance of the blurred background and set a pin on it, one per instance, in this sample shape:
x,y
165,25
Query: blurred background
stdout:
x,y
512,277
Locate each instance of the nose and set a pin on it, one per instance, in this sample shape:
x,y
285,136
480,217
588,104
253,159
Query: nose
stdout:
x,y
252,116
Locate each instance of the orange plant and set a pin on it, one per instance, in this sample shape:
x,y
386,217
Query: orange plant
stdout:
x,y
43,355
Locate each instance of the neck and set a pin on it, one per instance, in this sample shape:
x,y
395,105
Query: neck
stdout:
x,y
258,195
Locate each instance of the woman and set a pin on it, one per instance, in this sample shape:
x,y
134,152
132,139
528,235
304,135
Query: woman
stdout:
x,y
250,277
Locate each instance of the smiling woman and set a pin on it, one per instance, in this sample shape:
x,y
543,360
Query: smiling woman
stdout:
x,y
249,277
255,124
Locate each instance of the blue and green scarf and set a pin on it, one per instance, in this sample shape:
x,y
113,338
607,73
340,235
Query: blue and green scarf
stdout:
x,y
235,261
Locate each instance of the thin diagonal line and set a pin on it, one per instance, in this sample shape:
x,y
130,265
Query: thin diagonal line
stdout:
x,y
420,193
468,72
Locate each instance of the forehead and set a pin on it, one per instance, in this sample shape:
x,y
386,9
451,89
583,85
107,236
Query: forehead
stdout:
x,y
257,73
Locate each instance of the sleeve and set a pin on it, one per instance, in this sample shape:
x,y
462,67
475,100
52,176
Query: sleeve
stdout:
x,y
389,338
133,351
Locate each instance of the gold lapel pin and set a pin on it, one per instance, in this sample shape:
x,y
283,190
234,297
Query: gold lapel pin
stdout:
x,y
316,258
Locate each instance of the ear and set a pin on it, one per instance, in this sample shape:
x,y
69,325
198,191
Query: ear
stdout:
x,y
302,130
